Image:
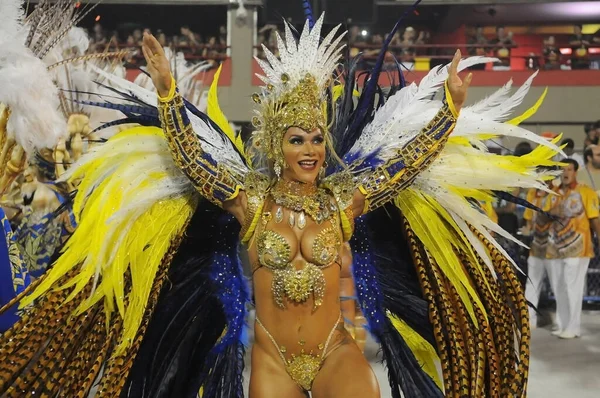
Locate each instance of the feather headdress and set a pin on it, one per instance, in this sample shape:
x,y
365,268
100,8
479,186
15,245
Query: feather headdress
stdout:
x,y
295,86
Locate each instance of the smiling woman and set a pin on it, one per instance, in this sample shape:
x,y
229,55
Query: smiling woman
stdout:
x,y
304,155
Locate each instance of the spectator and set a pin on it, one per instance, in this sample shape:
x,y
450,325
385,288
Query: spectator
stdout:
x,y
99,36
189,38
356,41
537,226
211,48
478,46
572,247
162,38
590,174
114,39
569,150
423,38
503,43
579,49
551,54
223,35
408,41
138,37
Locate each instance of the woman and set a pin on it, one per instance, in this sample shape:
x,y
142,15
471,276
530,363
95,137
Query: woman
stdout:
x,y
306,340
160,267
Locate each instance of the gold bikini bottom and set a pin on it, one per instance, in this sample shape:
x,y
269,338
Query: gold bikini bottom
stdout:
x,y
303,368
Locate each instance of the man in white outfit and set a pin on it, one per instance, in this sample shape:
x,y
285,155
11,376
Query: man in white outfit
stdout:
x,y
538,227
570,247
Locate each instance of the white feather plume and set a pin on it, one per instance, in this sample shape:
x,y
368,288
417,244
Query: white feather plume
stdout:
x,y
213,142
27,89
407,111
11,21
310,55
493,100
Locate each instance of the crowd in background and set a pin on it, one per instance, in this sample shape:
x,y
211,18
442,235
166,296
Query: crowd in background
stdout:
x,y
405,46
194,45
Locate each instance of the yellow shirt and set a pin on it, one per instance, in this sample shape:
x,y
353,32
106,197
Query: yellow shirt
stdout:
x,y
591,178
540,225
570,236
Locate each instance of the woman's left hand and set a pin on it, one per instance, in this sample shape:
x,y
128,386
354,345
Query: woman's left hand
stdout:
x,y
458,87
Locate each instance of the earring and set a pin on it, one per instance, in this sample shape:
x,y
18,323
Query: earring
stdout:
x,y
277,169
323,169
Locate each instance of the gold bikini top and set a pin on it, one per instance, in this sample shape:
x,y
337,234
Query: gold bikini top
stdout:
x,y
274,251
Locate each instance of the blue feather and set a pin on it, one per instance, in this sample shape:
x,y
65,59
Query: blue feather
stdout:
x,y
308,13
364,110
131,109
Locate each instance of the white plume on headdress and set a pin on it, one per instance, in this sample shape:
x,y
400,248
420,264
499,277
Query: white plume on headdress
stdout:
x,y
309,56
26,87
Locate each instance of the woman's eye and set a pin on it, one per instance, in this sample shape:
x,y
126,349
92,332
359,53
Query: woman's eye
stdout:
x,y
318,140
296,141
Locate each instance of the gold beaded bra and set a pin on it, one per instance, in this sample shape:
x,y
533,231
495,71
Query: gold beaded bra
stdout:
x,y
275,252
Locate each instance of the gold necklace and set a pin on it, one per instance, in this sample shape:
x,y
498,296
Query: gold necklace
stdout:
x,y
303,199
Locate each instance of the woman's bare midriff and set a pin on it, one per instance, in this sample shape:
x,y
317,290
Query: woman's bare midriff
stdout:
x,y
298,322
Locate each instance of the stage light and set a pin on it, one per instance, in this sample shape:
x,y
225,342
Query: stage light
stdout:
x,y
364,33
97,18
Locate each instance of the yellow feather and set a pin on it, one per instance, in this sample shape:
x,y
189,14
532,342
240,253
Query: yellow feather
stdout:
x,y
338,90
423,351
107,247
431,224
529,112
214,111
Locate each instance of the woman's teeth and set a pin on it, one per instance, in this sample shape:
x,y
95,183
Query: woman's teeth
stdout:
x,y
308,164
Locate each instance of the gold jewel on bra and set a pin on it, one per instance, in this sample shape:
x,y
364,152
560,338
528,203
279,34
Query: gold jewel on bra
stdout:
x,y
326,245
297,285
273,250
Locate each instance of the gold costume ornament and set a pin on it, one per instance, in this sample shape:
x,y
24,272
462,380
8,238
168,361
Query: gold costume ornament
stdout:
x,y
274,250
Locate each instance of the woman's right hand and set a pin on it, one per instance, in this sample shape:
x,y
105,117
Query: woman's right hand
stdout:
x,y
157,64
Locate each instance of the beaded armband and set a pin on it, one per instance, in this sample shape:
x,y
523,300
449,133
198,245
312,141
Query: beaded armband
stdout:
x,y
384,184
211,179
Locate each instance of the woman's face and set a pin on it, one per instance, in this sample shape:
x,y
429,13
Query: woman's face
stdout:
x,y
304,154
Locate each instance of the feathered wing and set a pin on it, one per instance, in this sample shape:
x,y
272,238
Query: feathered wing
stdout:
x,y
141,276
458,292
